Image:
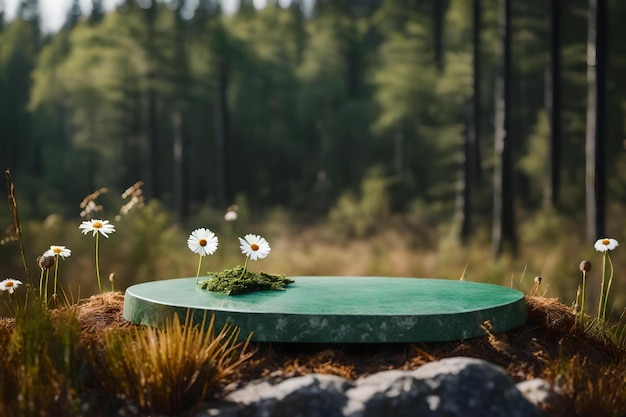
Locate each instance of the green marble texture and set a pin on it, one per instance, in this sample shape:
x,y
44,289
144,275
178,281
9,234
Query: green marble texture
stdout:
x,y
339,309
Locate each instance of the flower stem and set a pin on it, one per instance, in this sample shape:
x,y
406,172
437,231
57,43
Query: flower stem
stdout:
x,y
98,266
601,304
46,293
608,287
56,273
199,266
41,284
245,267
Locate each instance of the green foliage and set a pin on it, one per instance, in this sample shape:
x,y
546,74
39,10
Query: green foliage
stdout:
x,y
359,215
110,100
171,369
234,281
535,163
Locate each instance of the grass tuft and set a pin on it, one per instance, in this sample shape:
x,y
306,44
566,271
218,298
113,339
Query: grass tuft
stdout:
x,y
169,369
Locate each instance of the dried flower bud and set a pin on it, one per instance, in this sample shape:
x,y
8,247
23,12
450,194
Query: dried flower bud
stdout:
x,y
585,266
538,280
112,277
46,262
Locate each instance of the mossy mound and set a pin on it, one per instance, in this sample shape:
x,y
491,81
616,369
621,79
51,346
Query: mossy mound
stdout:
x,y
230,281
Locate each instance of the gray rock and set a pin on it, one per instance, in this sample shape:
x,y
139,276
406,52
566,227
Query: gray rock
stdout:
x,y
312,395
542,393
448,388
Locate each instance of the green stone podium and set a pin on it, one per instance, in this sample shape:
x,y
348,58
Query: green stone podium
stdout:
x,y
324,309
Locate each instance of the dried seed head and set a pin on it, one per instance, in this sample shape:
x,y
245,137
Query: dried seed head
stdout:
x,y
538,280
112,277
585,266
46,262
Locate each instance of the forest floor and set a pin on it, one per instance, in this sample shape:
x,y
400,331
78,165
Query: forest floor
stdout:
x,y
547,345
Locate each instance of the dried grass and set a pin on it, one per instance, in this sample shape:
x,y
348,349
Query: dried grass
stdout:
x,y
590,369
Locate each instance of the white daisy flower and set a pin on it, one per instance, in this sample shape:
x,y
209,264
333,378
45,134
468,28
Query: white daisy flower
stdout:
x,y
254,246
606,244
10,285
97,226
202,241
61,251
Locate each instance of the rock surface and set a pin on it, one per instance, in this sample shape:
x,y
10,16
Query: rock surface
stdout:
x,y
450,387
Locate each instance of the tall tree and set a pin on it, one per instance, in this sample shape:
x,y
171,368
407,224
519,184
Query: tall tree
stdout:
x,y
19,150
474,136
438,35
97,11
154,183
503,231
180,75
553,105
74,14
597,23
225,147
2,15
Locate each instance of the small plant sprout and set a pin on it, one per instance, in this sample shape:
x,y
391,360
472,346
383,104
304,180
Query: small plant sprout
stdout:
x,y
605,245
10,285
56,251
585,266
98,227
203,242
254,247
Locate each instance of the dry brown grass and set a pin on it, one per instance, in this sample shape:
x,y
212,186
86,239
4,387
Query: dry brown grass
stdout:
x,y
590,369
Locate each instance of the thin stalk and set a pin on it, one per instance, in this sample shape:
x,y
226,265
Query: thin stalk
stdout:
x,y
46,293
56,273
601,304
245,267
582,297
98,266
608,287
41,284
199,266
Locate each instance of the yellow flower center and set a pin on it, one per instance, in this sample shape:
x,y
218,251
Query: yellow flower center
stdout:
x,y
254,247
606,242
9,283
56,250
202,242
97,225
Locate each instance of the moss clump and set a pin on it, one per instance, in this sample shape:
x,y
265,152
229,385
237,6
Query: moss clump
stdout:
x,y
230,281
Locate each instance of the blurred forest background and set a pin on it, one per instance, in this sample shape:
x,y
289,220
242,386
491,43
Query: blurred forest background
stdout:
x,y
483,139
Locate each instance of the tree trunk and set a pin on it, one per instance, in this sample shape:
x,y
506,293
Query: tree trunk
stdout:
x,y
475,131
153,162
503,233
181,97
438,17
224,174
595,158
553,106
465,181
153,144
180,166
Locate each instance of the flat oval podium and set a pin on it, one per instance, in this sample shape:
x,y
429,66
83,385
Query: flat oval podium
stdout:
x,y
316,309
